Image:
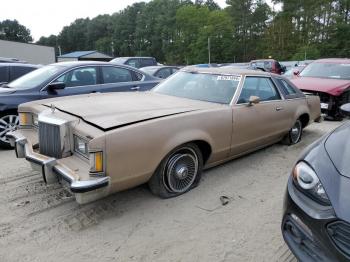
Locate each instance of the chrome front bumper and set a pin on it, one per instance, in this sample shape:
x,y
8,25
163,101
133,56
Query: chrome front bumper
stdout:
x,y
50,169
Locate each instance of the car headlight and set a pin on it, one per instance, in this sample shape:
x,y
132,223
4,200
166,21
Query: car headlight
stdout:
x,y
81,146
96,162
307,181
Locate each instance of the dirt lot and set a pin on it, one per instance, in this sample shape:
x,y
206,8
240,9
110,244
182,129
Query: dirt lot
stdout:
x,y
43,223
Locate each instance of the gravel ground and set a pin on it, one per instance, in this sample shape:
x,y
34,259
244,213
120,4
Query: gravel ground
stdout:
x,y
43,223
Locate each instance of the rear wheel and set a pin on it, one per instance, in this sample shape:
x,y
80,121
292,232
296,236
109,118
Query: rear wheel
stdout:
x,y
178,173
294,134
8,123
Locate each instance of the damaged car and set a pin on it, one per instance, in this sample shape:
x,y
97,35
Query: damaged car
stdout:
x,y
330,80
99,144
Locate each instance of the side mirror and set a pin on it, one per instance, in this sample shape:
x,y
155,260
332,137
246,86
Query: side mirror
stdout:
x,y
296,72
345,109
56,86
254,100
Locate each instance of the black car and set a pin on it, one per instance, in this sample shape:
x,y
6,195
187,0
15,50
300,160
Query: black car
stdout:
x,y
316,220
160,71
12,71
64,79
136,62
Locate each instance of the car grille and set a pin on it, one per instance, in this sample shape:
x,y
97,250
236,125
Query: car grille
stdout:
x,y
339,232
50,140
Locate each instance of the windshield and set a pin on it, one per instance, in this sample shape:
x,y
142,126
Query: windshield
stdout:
x,y
149,70
118,60
327,70
35,78
200,86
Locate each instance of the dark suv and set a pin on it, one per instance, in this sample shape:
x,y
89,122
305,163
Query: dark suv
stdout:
x,y
12,71
137,62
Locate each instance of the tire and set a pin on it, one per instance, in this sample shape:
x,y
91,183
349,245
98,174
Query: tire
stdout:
x,y
8,122
294,135
179,172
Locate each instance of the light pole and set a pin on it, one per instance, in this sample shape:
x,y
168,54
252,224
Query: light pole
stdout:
x,y
209,49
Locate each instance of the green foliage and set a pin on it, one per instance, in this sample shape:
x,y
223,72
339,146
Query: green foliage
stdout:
x,y
177,31
306,53
13,31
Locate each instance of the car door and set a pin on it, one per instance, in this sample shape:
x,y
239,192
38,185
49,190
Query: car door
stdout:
x,y
119,79
258,124
81,80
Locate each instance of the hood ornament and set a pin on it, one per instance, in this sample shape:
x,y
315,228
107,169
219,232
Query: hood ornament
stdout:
x,y
53,108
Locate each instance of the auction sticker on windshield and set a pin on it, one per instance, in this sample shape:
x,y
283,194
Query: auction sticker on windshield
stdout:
x,y
229,78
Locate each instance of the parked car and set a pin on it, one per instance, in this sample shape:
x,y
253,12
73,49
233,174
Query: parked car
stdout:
x,y
160,71
136,62
330,80
269,65
12,71
65,79
294,71
198,118
316,220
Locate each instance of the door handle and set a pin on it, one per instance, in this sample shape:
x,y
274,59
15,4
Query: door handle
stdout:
x,y
279,108
135,88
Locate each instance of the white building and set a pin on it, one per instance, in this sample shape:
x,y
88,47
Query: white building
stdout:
x,y
31,53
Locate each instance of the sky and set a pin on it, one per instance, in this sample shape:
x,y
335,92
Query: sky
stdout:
x,y
45,17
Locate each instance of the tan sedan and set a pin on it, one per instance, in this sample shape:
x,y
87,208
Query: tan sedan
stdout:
x,y
99,144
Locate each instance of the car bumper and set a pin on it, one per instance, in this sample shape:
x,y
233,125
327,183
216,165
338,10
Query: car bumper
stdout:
x,y
304,228
52,169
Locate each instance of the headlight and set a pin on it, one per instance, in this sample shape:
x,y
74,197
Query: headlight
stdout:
x,y
306,179
96,162
81,146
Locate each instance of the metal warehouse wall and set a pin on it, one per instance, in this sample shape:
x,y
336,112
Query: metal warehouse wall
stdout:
x,y
35,54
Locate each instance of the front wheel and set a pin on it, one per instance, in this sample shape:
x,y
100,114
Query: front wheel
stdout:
x,y
178,173
294,134
8,123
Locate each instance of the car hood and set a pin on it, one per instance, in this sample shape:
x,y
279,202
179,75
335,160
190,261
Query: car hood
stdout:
x,y
112,110
338,148
333,87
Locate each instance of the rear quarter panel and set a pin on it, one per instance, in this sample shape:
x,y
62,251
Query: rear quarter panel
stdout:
x,y
134,152
314,106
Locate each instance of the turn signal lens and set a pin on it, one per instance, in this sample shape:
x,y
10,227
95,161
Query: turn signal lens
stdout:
x,y
96,162
25,119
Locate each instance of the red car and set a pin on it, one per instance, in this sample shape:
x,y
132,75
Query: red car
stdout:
x,y
330,80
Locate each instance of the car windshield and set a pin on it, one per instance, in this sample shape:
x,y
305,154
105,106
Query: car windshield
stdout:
x,y
327,70
35,78
149,70
118,60
214,88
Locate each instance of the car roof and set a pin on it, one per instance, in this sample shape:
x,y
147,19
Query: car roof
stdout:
x,y
20,64
127,57
333,60
260,60
225,70
157,67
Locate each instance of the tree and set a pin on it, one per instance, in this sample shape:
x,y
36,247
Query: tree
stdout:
x,y
13,31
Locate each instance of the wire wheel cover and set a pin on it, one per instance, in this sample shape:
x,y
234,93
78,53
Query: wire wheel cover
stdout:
x,y
181,170
295,132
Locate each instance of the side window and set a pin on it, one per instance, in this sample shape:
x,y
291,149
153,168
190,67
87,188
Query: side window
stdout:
x,y
147,62
133,62
4,74
18,71
286,87
115,75
137,76
258,86
175,70
79,77
163,73
268,65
